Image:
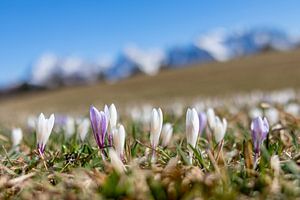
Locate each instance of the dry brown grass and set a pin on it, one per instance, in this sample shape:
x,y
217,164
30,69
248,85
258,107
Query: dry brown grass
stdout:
x,y
268,71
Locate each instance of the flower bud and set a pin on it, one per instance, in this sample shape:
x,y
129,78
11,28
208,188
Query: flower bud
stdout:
x,y
166,133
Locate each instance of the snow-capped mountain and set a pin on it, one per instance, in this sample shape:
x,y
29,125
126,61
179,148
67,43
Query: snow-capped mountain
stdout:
x,y
186,55
52,71
134,60
227,45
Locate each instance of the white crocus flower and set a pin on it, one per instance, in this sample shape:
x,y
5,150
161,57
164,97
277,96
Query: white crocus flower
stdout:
x,y
255,112
166,133
155,126
83,128
211,118
272,115
116,162
119,140
31,122
16,137
220,129
43,130
69,127
155,129
292,109
113,116
192,130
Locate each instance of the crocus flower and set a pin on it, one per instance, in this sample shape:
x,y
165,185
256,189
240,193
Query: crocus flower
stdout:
x,y
166,133
202,122
293,109
219,129
69,127
83,128
192,130
113,118
255,112
211,118
106,112
259,131
119,140
99,123
31,122
16,137
155,128
116,162
43,130
273,115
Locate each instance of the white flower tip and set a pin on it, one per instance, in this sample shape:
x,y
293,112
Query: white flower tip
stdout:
x,y
219,129
113,115
121,129
119,135
51,121
83,128
167,132
16,136
211,118
41,117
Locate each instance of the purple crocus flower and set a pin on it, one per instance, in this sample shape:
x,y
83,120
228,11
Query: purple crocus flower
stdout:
x,y
259,132
60,120
99,122
202,122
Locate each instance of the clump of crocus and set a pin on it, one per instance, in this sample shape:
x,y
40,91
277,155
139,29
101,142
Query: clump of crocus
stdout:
x,y
155,129
83,128
16,138
43,130
259,132
99,123
202,122
166,133
119,140
192,130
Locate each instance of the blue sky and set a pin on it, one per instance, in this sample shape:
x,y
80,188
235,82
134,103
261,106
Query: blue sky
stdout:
x,y
90,29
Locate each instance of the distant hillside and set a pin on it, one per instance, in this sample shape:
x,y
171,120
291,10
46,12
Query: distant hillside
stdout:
x,y
268,71
53,71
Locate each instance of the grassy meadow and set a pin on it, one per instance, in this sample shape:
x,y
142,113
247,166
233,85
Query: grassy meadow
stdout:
x,y
75,168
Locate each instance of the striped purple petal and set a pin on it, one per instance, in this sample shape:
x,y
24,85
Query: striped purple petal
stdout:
x,y
95,123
